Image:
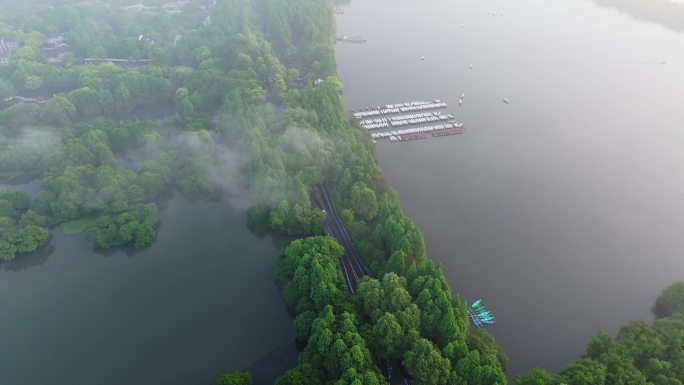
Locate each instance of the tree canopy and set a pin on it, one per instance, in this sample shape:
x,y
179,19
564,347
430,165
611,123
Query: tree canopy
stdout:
x,y
670,301
235,378
640,354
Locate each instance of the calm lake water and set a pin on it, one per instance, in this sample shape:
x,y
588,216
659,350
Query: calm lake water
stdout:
x,y
563,210
201,301
31,188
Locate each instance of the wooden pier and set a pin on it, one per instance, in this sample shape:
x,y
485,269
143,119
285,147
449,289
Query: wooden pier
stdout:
x,y
408,137
415,130
447,131
350,39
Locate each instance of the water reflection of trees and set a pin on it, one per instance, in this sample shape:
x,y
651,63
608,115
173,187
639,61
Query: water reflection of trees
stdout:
x,y
663,12
273,364
127,250
24,262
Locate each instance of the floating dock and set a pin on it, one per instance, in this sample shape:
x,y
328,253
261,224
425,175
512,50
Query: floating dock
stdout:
x,y
447,131
350,39
408,121
407,137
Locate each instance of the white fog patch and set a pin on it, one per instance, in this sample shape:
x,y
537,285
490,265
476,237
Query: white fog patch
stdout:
x,y
31,145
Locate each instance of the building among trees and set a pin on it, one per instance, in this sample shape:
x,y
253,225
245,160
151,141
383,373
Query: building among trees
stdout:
x,y
7,45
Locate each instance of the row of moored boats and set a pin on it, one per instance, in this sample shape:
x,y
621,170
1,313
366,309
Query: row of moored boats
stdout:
x,y
405,120
415,130
391,109
391,117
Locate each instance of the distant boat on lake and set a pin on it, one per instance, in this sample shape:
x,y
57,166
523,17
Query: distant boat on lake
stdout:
x,y
505,100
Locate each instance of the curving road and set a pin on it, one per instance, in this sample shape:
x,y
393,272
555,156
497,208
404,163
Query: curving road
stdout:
x,y
353,267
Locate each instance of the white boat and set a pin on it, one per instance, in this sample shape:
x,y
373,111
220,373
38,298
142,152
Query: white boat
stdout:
x,y
505,100
471,66
462,96
460,102
422,58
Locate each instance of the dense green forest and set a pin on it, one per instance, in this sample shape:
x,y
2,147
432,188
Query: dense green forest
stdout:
x,y
21,229
218,97
229,102
410,319
244,83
